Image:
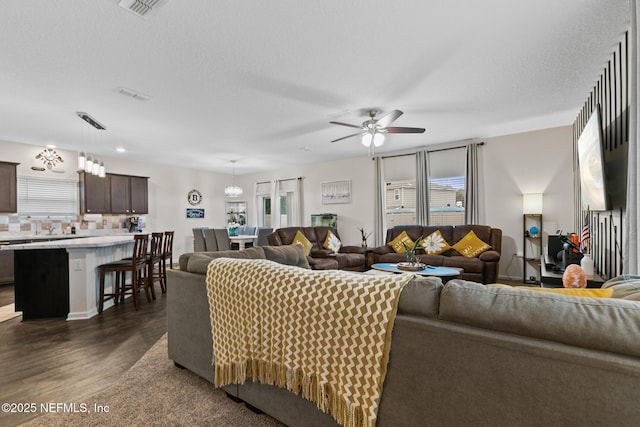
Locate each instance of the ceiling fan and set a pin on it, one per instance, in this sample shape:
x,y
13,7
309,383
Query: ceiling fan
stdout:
x,y
373,130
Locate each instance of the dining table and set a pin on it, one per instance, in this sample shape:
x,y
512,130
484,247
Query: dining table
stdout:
x,y
243,239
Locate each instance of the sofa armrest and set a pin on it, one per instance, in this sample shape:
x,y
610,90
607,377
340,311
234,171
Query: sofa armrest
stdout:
x,y
489,256
381,250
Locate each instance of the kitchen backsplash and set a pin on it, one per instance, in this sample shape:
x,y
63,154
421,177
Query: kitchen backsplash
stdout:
x,y
14,223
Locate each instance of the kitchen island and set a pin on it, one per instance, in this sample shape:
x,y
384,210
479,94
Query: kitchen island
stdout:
x,y
60,278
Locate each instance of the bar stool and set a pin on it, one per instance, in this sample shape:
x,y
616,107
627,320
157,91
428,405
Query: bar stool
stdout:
x,y
167,254
137,265
155,257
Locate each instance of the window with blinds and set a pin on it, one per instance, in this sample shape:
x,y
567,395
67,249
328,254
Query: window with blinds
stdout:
x,y
44,196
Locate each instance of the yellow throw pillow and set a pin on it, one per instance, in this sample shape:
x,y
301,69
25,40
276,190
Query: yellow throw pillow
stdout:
x,y
332,242
574,292
397,245
435,244
300,239
471,246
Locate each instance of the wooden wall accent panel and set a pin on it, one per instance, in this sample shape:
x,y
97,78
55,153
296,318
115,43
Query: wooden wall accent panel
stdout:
x,y
611,94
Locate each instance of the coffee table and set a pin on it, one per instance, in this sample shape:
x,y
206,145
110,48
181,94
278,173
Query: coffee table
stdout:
x,y
443,272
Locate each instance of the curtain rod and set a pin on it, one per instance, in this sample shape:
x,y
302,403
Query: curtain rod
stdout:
x,y
429,151
268,182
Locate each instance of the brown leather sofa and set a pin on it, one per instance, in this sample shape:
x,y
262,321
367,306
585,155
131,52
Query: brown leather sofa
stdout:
x,y
483,268
347,258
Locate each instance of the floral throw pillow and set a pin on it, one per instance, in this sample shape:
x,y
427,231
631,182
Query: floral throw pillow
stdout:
x,y
471,246
397,245
300,239
434,244
332,242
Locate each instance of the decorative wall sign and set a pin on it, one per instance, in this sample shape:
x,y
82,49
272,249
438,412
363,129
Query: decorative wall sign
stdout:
x,y
335,192
195,213
194,197
49,157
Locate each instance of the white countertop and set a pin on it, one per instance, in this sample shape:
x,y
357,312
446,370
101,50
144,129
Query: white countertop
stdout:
x,y
77,243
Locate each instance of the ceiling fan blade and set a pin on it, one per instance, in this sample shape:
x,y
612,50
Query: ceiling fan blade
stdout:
x,y
347,124
404,130
348,136
387,119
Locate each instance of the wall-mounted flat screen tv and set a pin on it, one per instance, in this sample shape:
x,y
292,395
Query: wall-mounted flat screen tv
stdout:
x,y
590,157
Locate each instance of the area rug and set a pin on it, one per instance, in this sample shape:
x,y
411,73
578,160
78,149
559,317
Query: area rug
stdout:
x,y
156,393
8,312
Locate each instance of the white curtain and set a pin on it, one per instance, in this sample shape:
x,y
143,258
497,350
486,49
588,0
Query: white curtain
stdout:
x,y
631,252
471,187
275,204
422,187
256,205
296,214
379,231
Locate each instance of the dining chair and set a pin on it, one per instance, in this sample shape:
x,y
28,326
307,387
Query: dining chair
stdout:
x,y
263,232
199,244
222,238
137,265
210,240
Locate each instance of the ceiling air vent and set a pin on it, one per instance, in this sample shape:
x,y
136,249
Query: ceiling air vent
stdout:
x,y
133,94
142,8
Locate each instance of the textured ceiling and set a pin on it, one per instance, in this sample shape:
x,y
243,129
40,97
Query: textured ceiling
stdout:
x,y
258,81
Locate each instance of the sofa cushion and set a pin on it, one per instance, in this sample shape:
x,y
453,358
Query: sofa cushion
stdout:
x,y
625,287
471,246
332,242
199,261
435,244
606,324
287,254
398,244
421,297
301,239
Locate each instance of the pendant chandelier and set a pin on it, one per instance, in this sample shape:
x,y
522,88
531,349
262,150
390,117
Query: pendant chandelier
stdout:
x,y
233,190
86,162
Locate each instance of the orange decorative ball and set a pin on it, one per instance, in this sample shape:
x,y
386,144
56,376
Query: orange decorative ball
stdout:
x,y
574,277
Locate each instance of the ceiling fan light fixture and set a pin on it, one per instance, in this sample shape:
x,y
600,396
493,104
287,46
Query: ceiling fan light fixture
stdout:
x,y
375,138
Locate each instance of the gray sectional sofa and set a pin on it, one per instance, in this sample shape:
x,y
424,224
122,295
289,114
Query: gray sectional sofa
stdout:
x,y
461,354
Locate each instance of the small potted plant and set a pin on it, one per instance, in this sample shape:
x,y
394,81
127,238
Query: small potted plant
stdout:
x,y
365,235
411,251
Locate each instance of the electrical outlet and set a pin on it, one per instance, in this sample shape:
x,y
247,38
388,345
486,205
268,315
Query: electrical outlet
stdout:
x,y
77,265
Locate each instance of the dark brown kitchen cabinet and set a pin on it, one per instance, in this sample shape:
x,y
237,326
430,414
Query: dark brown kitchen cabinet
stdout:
x,y
129,194
94,194
115,194
8,187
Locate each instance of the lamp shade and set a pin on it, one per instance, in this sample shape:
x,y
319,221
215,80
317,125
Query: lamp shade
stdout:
x,y
532,203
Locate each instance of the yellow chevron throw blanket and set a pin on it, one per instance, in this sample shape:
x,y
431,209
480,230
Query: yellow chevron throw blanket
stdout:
x,y
324,335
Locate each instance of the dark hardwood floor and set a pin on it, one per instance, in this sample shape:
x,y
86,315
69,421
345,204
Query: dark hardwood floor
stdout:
x,y
59,361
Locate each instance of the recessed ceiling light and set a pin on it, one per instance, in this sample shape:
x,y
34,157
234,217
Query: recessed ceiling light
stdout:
x,y
120,150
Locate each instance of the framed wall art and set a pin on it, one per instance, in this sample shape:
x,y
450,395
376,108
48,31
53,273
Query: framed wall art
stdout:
x,y
335,192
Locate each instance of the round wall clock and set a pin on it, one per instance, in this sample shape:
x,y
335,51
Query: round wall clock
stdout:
x,y
194,197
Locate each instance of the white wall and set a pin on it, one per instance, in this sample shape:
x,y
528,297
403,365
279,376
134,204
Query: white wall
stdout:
x,y
511,165
531,162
